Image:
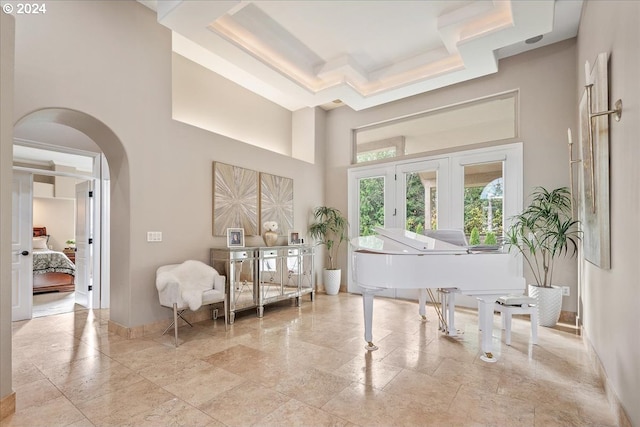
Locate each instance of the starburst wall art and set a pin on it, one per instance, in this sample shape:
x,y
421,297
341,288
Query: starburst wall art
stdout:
x,y
276,201
235,199
243,198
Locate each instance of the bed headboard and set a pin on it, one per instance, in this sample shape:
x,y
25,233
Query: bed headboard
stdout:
x,y
39,231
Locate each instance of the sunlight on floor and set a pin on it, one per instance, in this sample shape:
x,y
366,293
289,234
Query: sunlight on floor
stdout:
x,y
301,366
53,303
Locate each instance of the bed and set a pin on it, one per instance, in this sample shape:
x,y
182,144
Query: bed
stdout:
x,y
52,271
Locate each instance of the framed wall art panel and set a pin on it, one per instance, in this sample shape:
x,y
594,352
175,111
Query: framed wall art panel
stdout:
x,y
276,201
235,199
594,176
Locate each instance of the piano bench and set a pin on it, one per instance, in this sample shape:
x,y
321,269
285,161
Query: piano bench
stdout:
x,y
510,305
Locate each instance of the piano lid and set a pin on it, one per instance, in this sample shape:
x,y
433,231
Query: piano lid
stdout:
x,y
400,241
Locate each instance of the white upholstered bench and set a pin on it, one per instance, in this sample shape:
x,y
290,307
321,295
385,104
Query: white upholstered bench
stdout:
x,y
517,304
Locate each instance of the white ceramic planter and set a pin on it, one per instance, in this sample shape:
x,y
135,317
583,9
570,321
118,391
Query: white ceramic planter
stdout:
x,y
549,301
332,281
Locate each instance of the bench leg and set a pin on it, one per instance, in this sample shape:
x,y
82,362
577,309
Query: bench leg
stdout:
x,y
534,325
506,315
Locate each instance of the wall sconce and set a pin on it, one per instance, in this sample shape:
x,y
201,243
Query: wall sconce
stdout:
x,y
572,161
617,112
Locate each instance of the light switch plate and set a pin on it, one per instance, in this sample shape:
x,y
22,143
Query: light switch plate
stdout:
x,y
154,236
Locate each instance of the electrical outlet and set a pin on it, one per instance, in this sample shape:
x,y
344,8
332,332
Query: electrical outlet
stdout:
x,y
566,291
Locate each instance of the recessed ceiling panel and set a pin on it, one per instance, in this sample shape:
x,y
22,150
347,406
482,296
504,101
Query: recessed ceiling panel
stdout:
x,y
308,53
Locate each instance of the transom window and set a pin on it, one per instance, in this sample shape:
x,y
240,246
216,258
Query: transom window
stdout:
x,y
488,119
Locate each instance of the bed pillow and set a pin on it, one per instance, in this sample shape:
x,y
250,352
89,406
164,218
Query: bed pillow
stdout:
x,y
40,243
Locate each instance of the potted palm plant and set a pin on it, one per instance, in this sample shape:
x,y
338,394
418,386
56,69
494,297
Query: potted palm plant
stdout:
x,y
330,229
544,231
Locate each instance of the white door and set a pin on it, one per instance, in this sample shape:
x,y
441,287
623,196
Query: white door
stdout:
x,y
421,202
402,196
371,195
83,243
21,246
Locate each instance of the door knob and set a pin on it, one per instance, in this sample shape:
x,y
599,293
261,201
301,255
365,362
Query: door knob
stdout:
x,y
25,253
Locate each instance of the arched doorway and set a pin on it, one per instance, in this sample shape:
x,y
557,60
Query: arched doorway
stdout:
x,y
118,184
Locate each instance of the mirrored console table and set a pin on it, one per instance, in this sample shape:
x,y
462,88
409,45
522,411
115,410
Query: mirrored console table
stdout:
x,y
257,276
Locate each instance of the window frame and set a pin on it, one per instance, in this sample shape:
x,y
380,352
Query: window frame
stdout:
x,y
450,187
400,143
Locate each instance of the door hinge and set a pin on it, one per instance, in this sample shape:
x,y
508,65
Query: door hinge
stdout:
x,y
90,193
90,287
90,241
395,212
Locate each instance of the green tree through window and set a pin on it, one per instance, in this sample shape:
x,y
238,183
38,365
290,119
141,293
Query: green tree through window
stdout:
x,y
476,212
415,203
371,205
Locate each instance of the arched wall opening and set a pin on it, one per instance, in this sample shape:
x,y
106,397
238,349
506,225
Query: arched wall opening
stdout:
x,y
115,154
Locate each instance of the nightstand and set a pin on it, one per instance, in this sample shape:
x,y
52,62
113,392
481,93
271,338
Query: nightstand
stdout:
x,y
70,253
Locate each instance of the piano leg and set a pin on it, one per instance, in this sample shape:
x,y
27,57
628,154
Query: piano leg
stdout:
x,y
367,304
451,310
485,314
448,304
422,303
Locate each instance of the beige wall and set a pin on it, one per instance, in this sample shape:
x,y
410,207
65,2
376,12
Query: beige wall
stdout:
x,y
611,298
207,100
6,160
58,215
545,80
112,61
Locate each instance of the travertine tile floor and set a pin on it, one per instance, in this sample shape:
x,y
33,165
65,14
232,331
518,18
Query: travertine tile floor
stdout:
x,y
301,366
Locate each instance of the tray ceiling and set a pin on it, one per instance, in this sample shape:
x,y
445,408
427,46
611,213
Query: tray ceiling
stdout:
x,y
362,53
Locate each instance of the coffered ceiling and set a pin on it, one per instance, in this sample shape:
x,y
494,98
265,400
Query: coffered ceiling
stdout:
x,y
359,53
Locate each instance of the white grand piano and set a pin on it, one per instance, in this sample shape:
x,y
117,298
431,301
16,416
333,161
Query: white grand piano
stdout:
x,y
400,259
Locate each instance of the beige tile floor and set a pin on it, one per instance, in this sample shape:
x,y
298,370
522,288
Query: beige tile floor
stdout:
x,y
301,366
53,303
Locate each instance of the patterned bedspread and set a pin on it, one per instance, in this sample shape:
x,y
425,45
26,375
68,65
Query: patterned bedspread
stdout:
x,y
45,261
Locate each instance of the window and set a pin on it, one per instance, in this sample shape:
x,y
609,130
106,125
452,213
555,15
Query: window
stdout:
x,y
420,197
480,188
483,193
488,119
371,204
378,150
